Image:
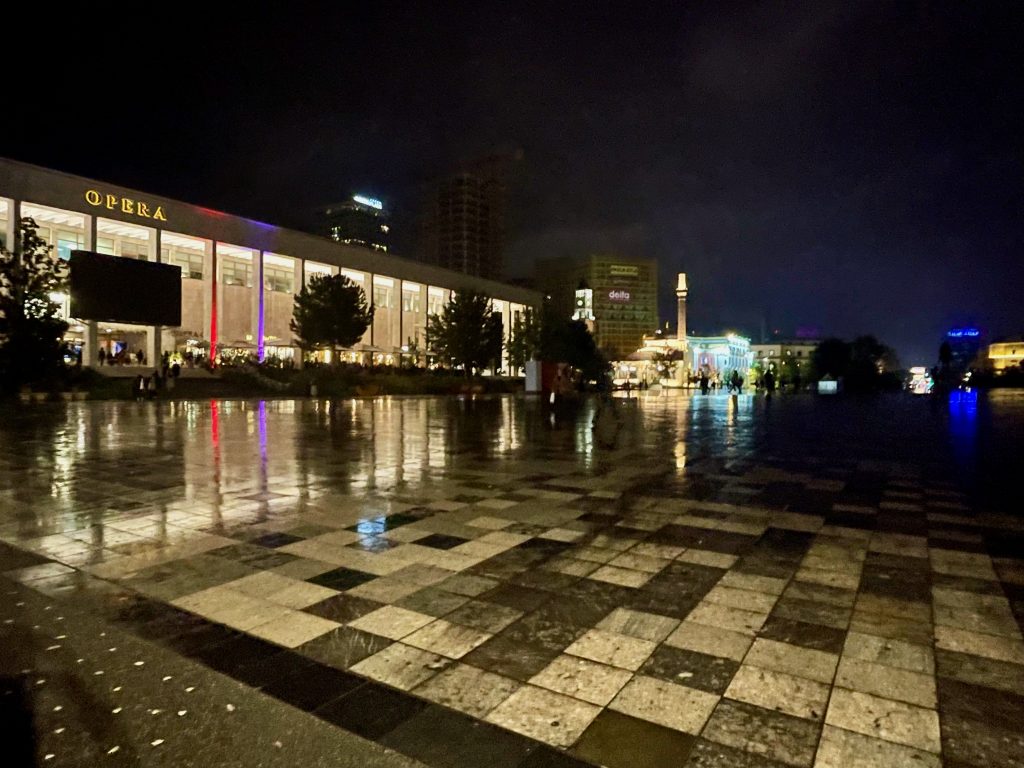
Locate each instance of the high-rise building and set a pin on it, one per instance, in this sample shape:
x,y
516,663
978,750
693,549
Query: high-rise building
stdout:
x,y
358,221
625,296
464,219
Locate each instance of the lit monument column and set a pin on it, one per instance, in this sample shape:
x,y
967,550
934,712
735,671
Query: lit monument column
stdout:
x,y
681,292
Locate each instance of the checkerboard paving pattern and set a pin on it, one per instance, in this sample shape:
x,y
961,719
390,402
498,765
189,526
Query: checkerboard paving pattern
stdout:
x,y
754,610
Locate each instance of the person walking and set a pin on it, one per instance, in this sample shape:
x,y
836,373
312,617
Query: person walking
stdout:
x,y
103,355
769,384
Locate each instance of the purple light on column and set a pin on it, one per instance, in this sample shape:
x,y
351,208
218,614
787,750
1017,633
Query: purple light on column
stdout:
x,y
260,351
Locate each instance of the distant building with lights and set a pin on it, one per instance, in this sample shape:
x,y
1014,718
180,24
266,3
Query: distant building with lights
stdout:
x,y
965,345
622,299
360,221
678,361
784,357
1006,354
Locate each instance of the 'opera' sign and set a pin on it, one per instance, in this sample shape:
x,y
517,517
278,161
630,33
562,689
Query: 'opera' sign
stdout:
x,y
124,205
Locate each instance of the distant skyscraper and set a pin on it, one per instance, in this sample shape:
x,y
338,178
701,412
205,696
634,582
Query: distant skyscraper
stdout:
x,y
623,297
464,219
359,221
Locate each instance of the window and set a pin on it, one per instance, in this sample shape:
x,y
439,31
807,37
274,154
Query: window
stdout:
x,y
382,296
236,273
435,304
278,280
410,301
105,245
190,262
133,250
68,241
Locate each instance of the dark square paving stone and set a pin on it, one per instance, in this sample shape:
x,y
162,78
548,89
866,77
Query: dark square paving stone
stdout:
x,y
487,617
541,632
967,584
467,584
275,540
270,560
442,737
511,658
193,642
567,610
238,652
544,756
978,670
441,541
766,565
862,522
689,668
313,686
549,581
804,634
883,561
521,598
343,647
616,740
775,735
812,612
675,603
704,538
708,754
271,669
979,744
371,710
342,579
432,601
1000,709
12,558
956,545
343,608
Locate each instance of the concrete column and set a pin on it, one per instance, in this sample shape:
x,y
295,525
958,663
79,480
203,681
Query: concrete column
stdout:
x,y
213,300
154,335
90,344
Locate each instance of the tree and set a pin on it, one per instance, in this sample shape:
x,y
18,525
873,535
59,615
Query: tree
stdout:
x,y
467,334
832,358
31,328
524,342
330,312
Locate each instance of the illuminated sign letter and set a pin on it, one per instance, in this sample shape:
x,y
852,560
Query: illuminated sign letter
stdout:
x,y
159,214
127,205
143,210
111,202
92,197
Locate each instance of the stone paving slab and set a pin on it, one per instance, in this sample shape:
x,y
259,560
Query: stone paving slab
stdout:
x,y
575,605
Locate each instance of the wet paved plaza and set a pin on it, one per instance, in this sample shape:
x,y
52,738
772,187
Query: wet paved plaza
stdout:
x,y
442,582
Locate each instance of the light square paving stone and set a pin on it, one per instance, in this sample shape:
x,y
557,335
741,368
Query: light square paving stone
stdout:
x,y
793,695
391,622
582,679
638,562
898,653
262,584
572,567
301,594
674,706
830,578
705,557
491,523
758,602
989,646
544,715
664,551
753,582
624,577
401,666
880,718
887,682
612,648
498,504
646,626
840,748
713,641
987,620
565,535
293,629
725,617
384,590
468,689
447,639
793,660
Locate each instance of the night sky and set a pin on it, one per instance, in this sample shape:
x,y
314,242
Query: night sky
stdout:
x,y
854,167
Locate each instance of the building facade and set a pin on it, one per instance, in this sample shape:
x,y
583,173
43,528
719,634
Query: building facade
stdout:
x,y
1006,354
785,358
625,296
239,276
359,221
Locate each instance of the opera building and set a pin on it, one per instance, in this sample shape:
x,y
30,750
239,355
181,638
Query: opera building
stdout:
x,y
238,276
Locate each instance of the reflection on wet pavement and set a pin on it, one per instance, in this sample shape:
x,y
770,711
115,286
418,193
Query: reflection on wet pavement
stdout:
x,y
799,582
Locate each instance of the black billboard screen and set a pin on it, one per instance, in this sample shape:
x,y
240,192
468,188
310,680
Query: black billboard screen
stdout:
x,y
123,290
